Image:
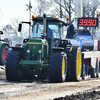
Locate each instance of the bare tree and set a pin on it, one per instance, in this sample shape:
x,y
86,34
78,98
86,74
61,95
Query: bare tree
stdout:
x,y
8,30
24,33
15,22
43,7
58,8
11,30
37,11
64,8
90,7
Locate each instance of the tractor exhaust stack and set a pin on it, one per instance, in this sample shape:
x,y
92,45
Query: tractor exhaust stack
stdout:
x,y
44,24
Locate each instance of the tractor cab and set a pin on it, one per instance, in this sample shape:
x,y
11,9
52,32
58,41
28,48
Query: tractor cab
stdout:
x,y
53,32
50,29
53,27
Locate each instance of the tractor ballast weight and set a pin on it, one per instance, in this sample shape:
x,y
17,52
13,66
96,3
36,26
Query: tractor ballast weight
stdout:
x,y
46,55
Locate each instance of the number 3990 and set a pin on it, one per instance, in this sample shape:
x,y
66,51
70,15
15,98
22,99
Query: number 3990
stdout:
x,y
87,22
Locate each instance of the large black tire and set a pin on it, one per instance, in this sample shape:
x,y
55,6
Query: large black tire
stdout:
x,y
3,52
75,64
58,67
13,71
67,50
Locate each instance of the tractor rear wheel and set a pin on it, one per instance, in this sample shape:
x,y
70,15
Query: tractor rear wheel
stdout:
x,y
3,52
67,50
13,71
58,67
75,64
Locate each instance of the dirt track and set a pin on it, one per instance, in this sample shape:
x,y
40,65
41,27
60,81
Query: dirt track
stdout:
x,y
32,90
43,90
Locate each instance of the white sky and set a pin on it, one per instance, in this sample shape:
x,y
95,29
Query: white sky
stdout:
x,y
14,8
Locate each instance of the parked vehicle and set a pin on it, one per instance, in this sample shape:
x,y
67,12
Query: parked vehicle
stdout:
x,y
4,47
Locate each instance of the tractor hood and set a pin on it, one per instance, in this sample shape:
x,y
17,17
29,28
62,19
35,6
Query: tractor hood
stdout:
x,y
37,47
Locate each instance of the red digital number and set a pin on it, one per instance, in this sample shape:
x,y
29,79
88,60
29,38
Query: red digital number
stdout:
x,y
89,22
94,22
81,22
85,22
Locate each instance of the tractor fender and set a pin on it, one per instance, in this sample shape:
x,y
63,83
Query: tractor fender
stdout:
x,y
4,44
22,49
58,49
17,49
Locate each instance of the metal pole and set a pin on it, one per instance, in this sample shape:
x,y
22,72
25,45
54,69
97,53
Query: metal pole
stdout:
x,y
69,11
29,17
84,6
60,10
29,8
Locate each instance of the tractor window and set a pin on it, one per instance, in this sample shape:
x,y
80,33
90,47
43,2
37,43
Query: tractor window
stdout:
x,y
37,29
53,30
63,32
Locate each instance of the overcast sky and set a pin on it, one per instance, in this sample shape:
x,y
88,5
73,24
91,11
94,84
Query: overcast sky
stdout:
x,y
14,8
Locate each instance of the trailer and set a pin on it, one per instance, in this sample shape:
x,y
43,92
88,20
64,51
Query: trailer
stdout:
x,y
91,62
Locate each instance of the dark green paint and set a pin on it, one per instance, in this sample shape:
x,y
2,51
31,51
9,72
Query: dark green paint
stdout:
x,y
34,45
0,44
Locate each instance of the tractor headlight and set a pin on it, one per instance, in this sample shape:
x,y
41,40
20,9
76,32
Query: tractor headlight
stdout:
x,y
28,51
39,51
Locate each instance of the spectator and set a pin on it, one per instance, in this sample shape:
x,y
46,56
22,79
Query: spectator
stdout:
x,y
85,31
70,32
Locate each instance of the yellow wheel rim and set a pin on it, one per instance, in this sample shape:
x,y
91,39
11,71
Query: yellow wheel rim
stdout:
x,y
63,67
79,64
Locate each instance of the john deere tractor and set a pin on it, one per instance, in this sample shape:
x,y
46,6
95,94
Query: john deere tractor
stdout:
x,y
46,55
4,47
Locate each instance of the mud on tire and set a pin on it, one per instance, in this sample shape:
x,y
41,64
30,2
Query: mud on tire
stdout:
x,y
13,71
58,67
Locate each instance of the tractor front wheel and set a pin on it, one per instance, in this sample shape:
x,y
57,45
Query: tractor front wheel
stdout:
x,y
58,67
13,71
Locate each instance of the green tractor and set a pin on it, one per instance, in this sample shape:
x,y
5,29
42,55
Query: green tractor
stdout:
x,y
46,55
4,47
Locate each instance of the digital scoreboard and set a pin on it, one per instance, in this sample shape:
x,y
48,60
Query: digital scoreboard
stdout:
x,y
88,22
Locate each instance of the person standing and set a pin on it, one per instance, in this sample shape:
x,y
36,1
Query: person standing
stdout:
x,y
85,31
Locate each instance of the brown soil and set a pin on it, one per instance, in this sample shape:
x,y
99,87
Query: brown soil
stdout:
x,y
43,90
